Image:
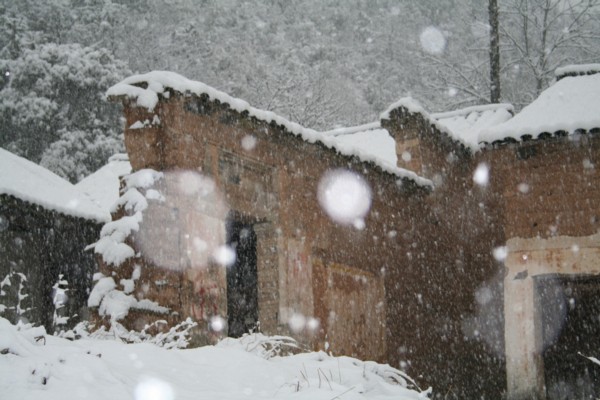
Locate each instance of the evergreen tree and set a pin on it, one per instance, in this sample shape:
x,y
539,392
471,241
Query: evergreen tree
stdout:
x,y
53,106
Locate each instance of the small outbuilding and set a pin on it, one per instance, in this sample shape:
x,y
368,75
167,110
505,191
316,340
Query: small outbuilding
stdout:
x,y
45,225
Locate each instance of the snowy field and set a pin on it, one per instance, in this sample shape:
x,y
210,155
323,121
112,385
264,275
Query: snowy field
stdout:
x,y
34,365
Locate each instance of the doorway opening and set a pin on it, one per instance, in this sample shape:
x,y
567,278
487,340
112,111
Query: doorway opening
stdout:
x,y
570,316
242,279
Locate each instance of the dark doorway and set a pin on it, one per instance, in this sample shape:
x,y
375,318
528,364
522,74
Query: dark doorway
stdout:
x,y
570,315
242,279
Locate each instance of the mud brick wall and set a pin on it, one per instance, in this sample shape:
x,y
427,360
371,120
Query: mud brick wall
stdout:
x,y
307,264
551,186
447,285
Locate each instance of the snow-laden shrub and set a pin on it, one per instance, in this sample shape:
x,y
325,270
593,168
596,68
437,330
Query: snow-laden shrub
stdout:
x,y
265,346
176,337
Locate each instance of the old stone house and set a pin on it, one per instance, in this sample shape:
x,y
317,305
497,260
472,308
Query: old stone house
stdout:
x,y
535,180
45,225
472,266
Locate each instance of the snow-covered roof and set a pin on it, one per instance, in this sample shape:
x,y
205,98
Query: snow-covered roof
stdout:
x,y
571,104
157,83
370,140
30,182
466,124
414,107
102,186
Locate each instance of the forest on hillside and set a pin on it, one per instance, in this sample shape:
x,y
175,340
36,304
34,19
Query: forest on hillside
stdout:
x,y
323,64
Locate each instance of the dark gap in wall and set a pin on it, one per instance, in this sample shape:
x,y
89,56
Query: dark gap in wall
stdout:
x,y
242,279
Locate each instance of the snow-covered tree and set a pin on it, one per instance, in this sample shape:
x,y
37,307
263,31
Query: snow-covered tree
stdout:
x,y
52,107
536,37
540,35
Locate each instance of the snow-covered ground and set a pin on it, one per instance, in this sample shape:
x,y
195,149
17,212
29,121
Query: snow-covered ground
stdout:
x,y
34,365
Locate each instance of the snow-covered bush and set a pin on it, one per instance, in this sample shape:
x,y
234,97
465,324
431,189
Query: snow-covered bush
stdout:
x,y
176,337
265,346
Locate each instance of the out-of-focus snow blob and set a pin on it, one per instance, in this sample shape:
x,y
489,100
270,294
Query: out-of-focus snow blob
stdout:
x,y
483,295
183,224
406,156
587,164
73,203
452,92
224,255
312,324
154,389
359,224
500,253
192,183
482,174
297,322
248,142
432,40
3,223
523,188
217,323
345,196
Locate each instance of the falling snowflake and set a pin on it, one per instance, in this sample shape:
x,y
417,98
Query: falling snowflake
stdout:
x,y
249,142
500,253
224,255
432,40
345,196
154,389
297,322
482,175
217,323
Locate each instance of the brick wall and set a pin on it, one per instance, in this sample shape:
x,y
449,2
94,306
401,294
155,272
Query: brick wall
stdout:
x,y
301,251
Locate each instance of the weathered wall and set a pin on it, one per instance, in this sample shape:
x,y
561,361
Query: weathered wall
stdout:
x,y
551,195
307,264
42,244
447,285
551,186
419,286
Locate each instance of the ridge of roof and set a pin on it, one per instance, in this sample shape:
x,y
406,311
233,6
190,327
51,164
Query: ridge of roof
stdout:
x,y
471,109
157,82
352,129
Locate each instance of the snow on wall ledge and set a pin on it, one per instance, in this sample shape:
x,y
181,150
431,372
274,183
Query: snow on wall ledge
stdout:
x,y
581,69
159,81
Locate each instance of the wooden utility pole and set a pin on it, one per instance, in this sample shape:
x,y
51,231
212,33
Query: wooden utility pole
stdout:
x,y
494,52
